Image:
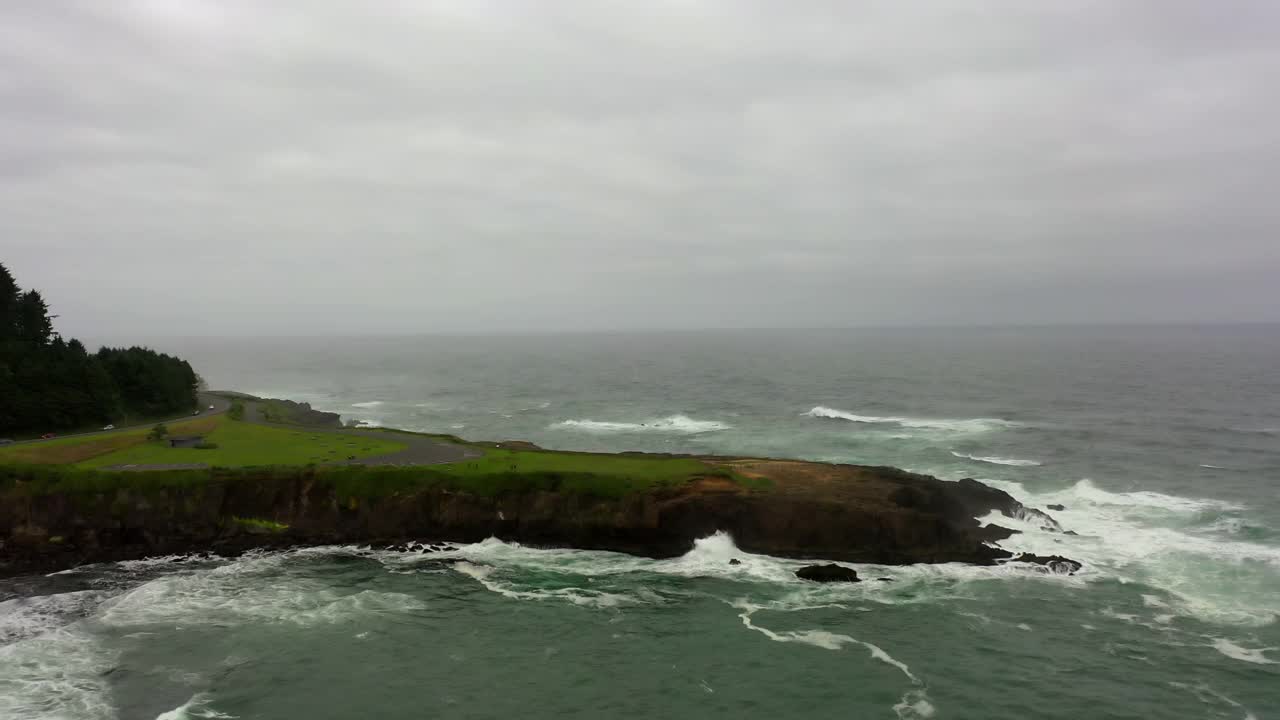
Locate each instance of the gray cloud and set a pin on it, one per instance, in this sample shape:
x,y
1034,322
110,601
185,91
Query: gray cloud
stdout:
x,y
228,167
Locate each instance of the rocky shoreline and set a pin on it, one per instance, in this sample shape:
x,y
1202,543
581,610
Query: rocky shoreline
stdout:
x,y
812,510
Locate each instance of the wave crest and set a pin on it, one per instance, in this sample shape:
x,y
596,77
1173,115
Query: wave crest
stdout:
x,y
970,425
997,460
671,423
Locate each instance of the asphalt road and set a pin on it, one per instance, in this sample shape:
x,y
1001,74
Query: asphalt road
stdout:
x,y
220,405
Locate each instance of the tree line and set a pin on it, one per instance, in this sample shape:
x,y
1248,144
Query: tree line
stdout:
x,y
48,383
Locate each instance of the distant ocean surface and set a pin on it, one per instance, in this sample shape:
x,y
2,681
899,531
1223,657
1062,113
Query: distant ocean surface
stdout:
x,y
1162,443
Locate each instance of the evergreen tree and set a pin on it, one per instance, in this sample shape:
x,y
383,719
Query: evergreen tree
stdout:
x,y
8,305
34,324
49,384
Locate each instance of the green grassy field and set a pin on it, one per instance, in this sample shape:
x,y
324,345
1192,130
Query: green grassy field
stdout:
x,y
241,444
502,471
73,463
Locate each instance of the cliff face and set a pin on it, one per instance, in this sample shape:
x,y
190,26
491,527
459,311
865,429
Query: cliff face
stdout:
x,y
813,510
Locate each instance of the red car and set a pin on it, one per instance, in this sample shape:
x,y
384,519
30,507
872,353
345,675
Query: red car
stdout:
x,y
47,436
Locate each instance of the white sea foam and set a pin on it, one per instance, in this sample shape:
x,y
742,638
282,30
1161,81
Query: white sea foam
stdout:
x,y
914,704
710,557
50,669
1144,537
56,675
1209,696
578,596
25,617
249,589
670,424
996,460
369,404
1089,492
1256,656
164,561
1227,525
819,638
197,707
972,425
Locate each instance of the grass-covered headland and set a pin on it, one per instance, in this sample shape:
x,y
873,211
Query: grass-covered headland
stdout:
x,y
247,484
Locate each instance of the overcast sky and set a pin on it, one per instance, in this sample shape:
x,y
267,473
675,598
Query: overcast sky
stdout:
x,y
236,166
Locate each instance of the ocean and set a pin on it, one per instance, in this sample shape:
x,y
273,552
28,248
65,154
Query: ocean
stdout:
x,y
1161,443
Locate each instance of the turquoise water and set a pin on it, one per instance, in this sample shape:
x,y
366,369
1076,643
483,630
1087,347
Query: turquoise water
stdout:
x,y
1162,443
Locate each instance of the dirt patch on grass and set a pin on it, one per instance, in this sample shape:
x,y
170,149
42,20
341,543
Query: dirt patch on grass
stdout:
x,y
714,484
867,486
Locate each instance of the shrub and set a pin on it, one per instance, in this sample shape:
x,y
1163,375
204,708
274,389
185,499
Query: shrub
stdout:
x,y
236,411
158,432
261,524
206,445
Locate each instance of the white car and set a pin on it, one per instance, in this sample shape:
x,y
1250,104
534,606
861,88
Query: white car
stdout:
x,y
109,427
210,407
196,412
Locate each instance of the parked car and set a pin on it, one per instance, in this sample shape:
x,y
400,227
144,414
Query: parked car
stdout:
x,y
210,407
5,441
48,436
108,427
196,412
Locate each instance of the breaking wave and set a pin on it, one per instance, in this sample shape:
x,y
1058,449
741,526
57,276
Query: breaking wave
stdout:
x,y
368,404
1256,656
672,424
997,460
971,425
1158,540
195,708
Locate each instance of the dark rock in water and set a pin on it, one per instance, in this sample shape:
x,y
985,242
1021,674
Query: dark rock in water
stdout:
x,y
1070,532
827,573
1055,563
884,579
970,498
995,533
735,561
1058,508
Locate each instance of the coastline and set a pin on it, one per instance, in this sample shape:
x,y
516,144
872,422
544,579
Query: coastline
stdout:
x,y
654,505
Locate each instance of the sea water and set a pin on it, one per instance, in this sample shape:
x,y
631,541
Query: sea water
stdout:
x,y
1162,444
